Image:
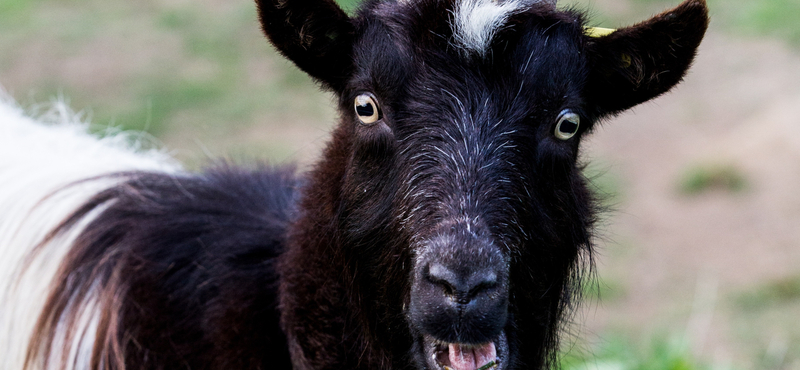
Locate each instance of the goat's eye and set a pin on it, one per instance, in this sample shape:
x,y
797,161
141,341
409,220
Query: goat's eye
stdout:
x,y
568,124
367,109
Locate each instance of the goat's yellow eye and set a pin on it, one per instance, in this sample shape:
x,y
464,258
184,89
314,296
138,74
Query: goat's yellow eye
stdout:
x,y
568,124
367,109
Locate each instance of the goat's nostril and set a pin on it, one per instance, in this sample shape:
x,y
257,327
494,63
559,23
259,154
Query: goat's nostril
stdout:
x,y
444,277
463,287
483,285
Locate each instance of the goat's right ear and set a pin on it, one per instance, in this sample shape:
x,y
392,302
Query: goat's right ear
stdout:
x,y
635,64
317,35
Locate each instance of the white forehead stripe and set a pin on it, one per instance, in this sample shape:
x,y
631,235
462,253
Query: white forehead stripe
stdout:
x,y
476,22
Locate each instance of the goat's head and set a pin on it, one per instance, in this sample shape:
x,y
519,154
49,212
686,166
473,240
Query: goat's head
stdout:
x,y
462,121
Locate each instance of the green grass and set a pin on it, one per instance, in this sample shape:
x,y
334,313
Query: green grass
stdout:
x,y
13,12
348,5
175,70
767,320
619,353
751,18
604,182
709,177
781,291
775,18
604,291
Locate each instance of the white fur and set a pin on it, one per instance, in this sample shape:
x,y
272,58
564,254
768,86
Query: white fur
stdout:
x,y
38,160
475,22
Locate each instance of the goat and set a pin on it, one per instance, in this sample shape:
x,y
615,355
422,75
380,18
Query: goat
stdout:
x,y
447,225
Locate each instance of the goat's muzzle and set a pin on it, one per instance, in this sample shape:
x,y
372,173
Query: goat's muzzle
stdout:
x,y
459,300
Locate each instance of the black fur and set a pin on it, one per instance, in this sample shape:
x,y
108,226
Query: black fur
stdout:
x,y
315,34
457,217
189,262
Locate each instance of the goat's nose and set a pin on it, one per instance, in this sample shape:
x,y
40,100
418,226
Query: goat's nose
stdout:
x,y
462,285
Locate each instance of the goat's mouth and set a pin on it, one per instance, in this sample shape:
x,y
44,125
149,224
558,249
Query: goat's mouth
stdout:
x,y
440,355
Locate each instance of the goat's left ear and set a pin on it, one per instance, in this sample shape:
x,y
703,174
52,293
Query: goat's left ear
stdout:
x,y
638,63
317,35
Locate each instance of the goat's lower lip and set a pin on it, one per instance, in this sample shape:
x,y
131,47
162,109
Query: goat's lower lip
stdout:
x,y
486,356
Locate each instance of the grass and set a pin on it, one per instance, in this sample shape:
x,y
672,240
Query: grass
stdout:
x,y
605,290
776,292
712,177
182,72
773,18
604,181
767,321
751,18
348,5
662,352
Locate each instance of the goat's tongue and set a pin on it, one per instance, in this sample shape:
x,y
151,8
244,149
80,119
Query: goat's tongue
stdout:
x,y
471,358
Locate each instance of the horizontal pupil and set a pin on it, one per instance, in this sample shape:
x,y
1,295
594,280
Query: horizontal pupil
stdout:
x,y
568,127
365,110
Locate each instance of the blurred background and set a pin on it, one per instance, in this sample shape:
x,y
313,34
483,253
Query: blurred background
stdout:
x,y
698,261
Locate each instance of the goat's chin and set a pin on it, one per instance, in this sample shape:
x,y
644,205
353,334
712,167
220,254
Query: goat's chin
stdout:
x,y
439,355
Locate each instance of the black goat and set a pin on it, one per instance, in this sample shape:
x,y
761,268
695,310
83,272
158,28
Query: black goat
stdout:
x,y
447,225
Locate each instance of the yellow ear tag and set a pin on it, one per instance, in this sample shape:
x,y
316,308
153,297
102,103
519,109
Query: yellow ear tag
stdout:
x,y
598,31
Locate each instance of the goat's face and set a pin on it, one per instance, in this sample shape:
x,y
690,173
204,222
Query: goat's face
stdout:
x,y
462,196
475,144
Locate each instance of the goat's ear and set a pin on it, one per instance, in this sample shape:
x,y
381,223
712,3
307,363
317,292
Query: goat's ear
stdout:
x,y
638,63
317,35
